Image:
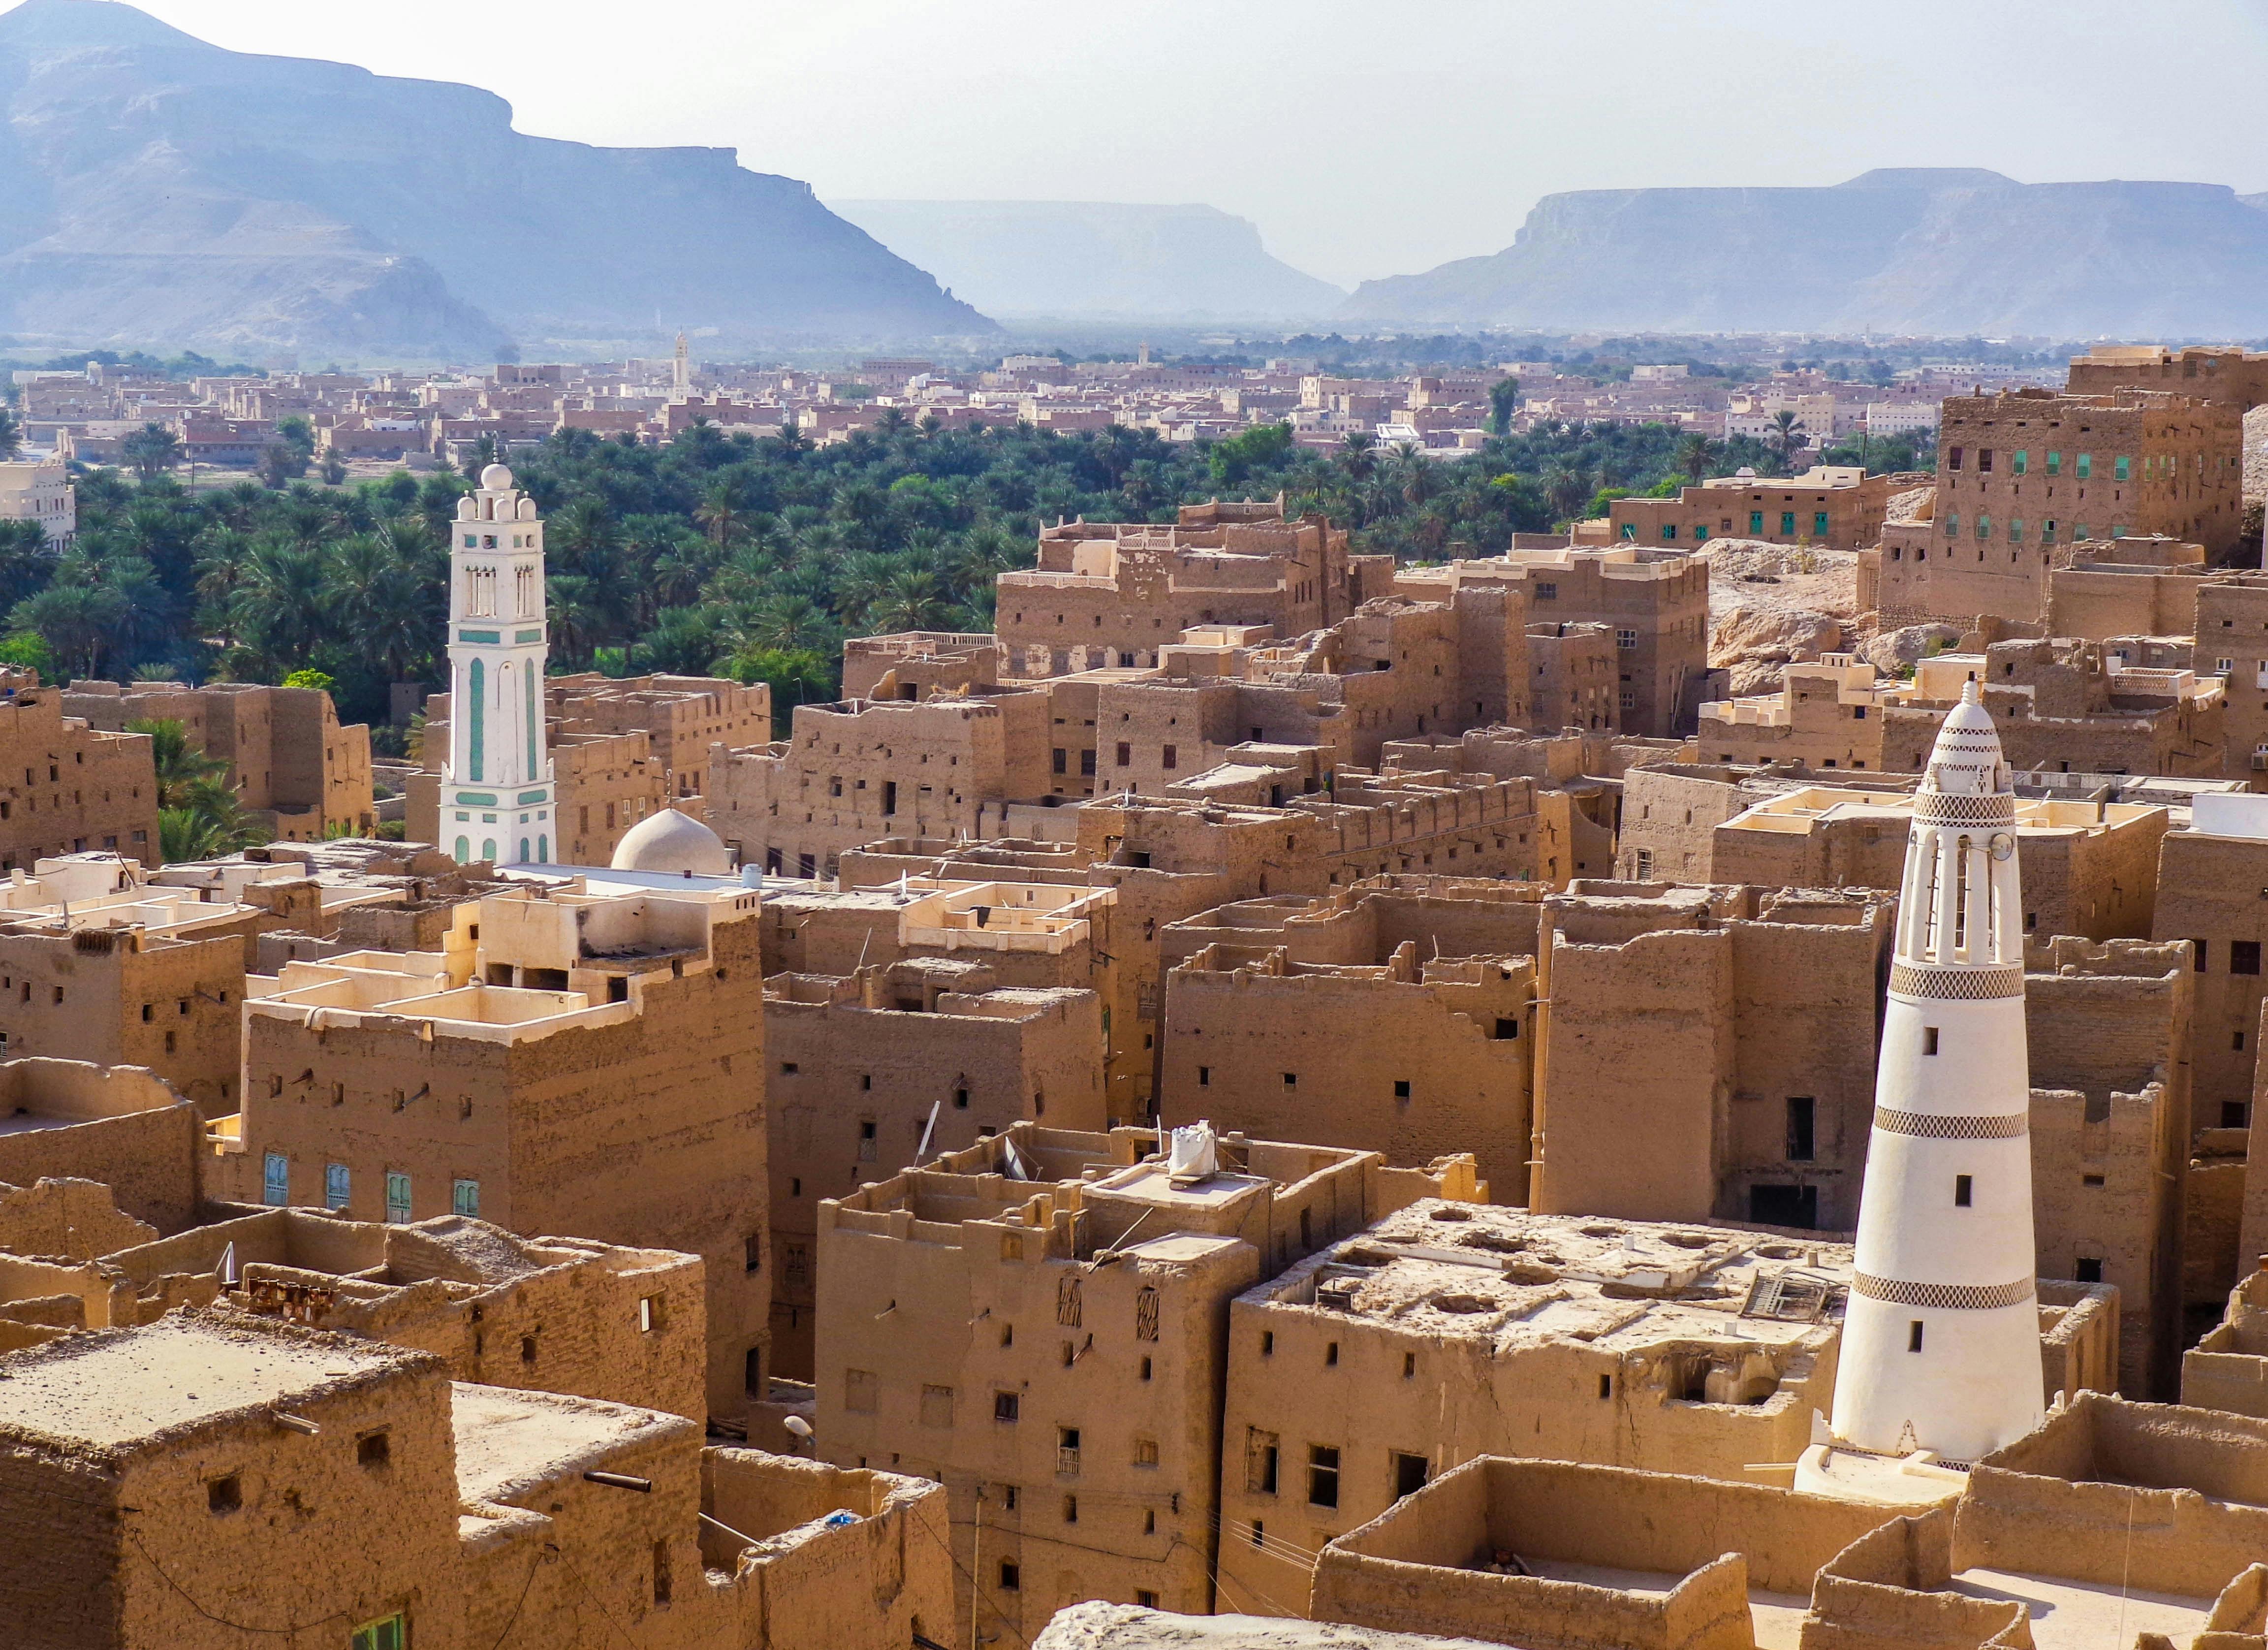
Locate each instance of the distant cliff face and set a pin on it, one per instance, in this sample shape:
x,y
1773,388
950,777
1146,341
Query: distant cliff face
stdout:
x,y
1916,250
157,190
1091,259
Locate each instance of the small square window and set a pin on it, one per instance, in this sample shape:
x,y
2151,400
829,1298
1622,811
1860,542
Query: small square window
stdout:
x,y
2089,1269
373,1450
1401,1088
225,1494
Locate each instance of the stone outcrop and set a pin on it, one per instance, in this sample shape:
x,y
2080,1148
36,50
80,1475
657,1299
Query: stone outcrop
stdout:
x,y
157,191
1943,251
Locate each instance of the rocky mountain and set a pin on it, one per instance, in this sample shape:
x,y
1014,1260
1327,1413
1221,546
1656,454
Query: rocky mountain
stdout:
x,y
159,191
1091,260
1950,251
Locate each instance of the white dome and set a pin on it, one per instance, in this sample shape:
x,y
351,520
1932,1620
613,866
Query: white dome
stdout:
x,y
496,479
673,843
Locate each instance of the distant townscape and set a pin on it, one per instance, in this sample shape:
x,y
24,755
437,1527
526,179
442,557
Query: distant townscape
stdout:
x,y
738,923
1384,1041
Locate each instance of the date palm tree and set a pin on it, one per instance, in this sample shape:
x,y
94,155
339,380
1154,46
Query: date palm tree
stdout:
x,y
1784,436
179,765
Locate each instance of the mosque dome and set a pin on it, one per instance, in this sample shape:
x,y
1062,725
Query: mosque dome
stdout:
x,y
496,479
673,843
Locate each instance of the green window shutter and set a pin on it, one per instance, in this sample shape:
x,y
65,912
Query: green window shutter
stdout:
x,y
2019,461
2086,466
1787,522
476,679
2055,463
1983,527
2121,468
1756,523
1819,524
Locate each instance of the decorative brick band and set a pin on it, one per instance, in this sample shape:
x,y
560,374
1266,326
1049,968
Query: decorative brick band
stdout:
x,y
1932,1126
1941,807
1951,1297
1945,983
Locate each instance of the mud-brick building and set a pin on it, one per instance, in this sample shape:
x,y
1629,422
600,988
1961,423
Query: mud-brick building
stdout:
x,y
2209,882
180,1483
99,963
82,789
592,1067
1113,593
1450,1331
1040,1323
120,1126
1396,1015
1708,1053
296,768
2109,1027
1655,602
895,1064
553,1315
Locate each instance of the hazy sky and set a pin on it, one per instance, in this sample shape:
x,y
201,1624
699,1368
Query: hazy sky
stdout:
x,y
1365,139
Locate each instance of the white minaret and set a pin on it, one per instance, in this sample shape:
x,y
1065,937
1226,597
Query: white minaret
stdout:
x,y
1941,1341
681,370
497,795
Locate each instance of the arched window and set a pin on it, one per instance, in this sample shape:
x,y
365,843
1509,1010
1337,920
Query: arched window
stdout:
x,y
543,850
464,850
488,849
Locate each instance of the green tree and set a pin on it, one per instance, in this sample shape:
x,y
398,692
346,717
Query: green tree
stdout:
x,y
11,435
207,823
280,465
73,621
1504,401
1694,453
795,675
1786,439
1232,460
151,450
181,764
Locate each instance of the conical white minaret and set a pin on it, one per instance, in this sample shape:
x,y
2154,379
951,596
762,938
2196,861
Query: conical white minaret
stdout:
x,y
496,793
1940,1342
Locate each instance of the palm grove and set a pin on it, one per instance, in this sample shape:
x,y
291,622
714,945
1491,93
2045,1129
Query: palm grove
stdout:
x,y
750,557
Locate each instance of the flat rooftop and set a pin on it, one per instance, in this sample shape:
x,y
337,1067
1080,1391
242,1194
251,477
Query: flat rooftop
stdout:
x,y
510,1441
1775,1618
1798,812
121,1386
2087,1615
1483,1272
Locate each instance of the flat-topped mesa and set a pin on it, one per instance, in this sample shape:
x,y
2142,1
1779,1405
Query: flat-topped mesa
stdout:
x,y
1940,1351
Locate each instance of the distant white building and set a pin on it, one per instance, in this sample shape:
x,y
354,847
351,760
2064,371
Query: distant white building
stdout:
x,y
40,491
1900,417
